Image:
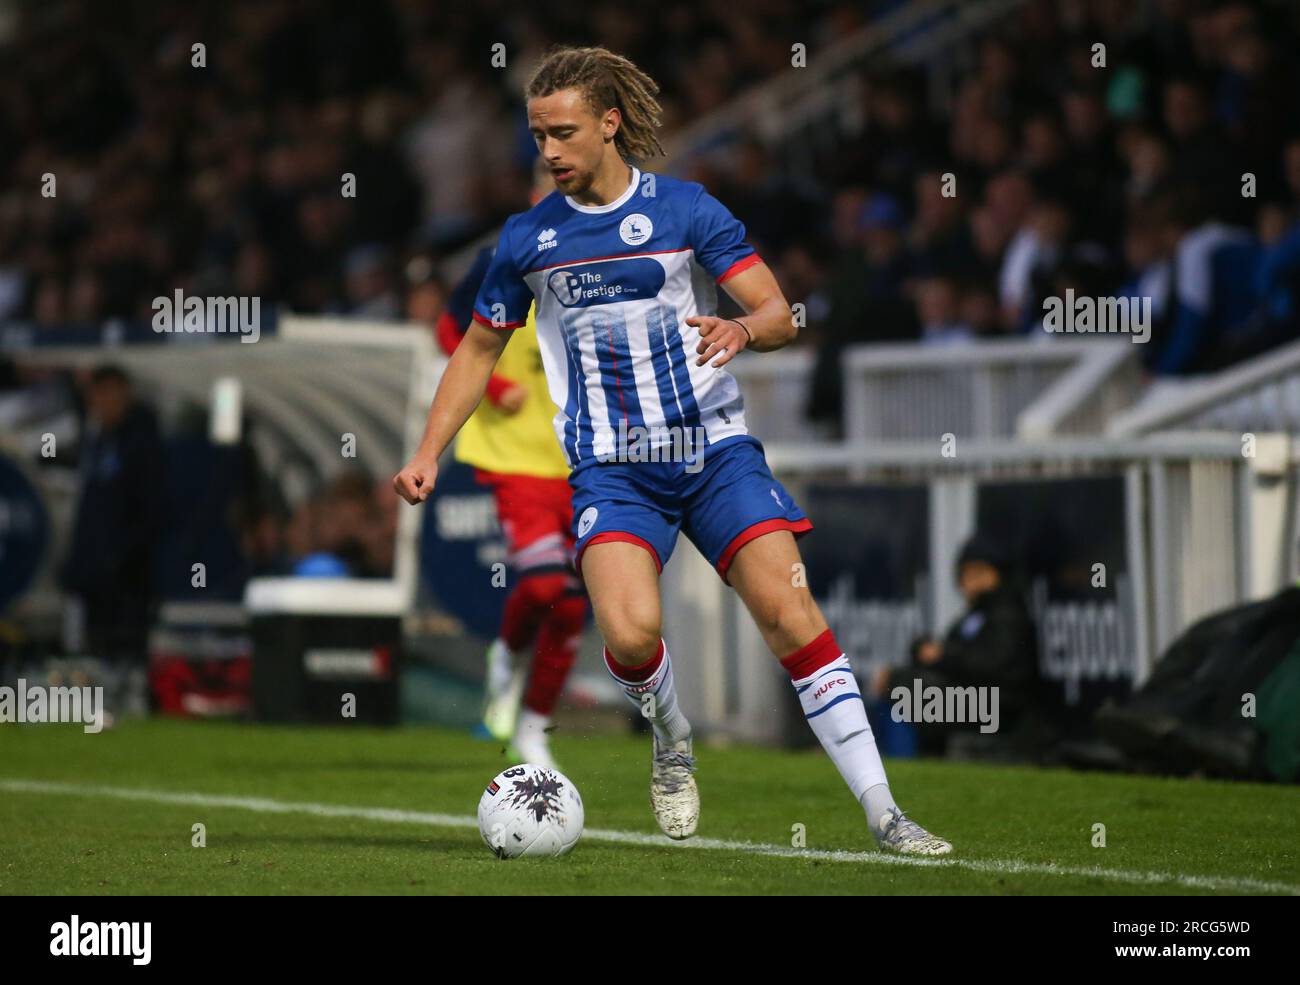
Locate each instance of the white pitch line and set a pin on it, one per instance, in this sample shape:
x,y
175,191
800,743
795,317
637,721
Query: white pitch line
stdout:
x,y
395,816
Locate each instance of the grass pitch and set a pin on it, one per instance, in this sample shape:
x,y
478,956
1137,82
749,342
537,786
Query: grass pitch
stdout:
x,y
370,811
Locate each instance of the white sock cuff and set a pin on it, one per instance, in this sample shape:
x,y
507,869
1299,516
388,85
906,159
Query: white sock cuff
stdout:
x,y
830,686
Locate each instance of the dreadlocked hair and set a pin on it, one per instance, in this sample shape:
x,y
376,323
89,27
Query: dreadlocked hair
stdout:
x,y
607,81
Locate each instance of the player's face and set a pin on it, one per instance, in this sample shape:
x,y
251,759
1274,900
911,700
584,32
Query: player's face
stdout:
x,y
570,138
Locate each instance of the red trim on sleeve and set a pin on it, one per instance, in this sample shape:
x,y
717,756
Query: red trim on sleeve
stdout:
x,y
812,657
753,532
740,266
501,328
450,336
617,535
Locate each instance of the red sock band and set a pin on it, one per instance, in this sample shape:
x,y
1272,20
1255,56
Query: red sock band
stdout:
x,y
638,673
530,601
809,659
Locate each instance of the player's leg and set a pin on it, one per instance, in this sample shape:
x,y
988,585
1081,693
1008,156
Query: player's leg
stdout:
x,y
560,631
745,522
554,646
765,572
622,579
537,553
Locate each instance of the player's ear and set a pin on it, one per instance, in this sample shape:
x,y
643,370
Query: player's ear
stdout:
x,y
610,124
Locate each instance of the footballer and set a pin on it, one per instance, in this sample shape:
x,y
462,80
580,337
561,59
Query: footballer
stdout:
x,y
621,268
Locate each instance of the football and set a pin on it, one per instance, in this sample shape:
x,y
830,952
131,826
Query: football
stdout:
x,y
530,811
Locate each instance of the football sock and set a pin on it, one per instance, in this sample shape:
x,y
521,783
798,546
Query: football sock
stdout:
x,y
557,648
832,703
526,608
655,677
878,802
500,667
531,727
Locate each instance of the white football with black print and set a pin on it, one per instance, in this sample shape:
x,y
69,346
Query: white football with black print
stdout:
x,y
530,811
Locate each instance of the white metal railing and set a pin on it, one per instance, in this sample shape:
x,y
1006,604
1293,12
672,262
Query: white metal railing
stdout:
x,y
776,389
1103,382
902,392
1260,395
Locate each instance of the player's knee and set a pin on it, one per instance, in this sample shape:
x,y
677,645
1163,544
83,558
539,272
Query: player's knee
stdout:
x,y
788,617
632,639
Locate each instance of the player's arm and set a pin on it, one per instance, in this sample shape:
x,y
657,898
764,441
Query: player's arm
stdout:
x,y
718,239
462,386
503,393
501,304
768,322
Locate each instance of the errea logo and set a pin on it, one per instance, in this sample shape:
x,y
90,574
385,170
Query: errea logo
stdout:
x,y
546,240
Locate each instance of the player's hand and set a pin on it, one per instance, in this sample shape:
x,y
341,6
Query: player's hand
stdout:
x,y
512,398
720,337
415,482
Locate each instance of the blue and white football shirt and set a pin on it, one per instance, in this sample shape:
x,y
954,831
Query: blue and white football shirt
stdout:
x,y
614,285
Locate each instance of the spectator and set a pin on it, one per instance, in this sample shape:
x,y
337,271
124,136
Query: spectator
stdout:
x,y
993,644
937,301
1213,289
1038,249
1204,156
109,565
865,294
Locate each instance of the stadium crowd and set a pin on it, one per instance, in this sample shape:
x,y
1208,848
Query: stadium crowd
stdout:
x,y
1165,165
225,177
1159,158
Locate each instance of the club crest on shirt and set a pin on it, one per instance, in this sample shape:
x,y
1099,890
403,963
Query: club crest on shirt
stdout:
x,y
635,229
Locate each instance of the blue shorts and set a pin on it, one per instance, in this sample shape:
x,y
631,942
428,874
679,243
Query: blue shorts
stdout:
x,y
731,499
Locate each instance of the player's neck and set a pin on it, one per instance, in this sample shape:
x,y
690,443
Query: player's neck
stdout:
x,y
610,183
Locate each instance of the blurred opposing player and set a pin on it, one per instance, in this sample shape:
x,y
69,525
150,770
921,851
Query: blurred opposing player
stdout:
x,y
623,266
511,444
